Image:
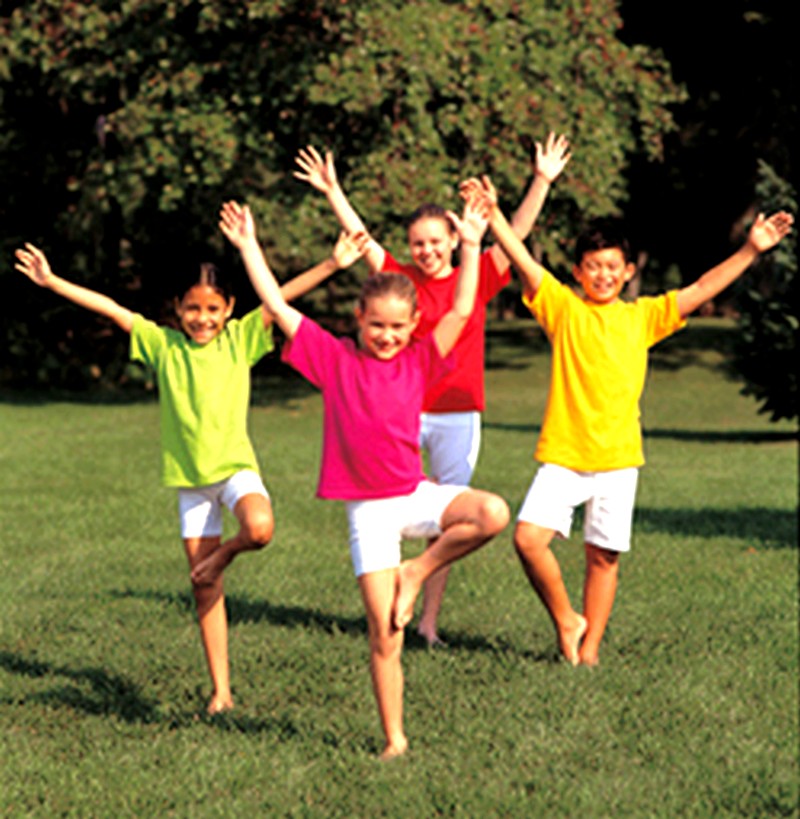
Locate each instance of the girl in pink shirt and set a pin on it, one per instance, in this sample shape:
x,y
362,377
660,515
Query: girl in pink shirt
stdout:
x,y
373,393
450,431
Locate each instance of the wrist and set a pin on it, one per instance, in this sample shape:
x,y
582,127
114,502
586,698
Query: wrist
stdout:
x,y
543,177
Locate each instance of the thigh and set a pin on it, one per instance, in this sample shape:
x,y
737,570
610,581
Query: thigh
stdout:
x,y
609,512
375,538
452,441
378,592
199,548
552,498
200,512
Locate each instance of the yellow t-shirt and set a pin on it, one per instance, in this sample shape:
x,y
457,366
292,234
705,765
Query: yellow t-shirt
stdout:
x,y
591,422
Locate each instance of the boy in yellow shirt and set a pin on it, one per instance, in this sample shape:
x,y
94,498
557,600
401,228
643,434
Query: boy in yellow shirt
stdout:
x,y
590,446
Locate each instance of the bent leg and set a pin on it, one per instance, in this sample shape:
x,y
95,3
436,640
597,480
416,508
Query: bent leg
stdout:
x,y
385,645
470,520
599,590
213,620
432,598
256,525
532,543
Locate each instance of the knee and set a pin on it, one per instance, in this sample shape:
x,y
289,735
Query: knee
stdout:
x,y
602,559
494,514
530,539
386,645
257,529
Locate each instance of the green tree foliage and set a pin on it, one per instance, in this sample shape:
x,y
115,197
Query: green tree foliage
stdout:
x,y
125,124
769,322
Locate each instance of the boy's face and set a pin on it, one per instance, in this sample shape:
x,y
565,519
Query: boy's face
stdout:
x,y
203,312
385,325
432,242
603,273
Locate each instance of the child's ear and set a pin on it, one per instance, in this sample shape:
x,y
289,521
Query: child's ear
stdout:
x,y
415,320
229,307
630,271
178,306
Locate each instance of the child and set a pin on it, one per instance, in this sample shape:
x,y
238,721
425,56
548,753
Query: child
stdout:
x,y
204,390
451,411
372,394
590,445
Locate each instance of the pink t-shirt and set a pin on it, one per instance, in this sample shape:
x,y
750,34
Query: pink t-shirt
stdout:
x,y
370,444
462,389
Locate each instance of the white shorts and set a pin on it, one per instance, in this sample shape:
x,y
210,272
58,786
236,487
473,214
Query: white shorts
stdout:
x,y
378,526
609,498
200,507
452,441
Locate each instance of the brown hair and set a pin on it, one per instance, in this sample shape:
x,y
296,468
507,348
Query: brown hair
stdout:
x,y
429,211
388,284
210,276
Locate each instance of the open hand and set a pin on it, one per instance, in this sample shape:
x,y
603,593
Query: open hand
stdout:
x,y
236,223
33,263
766,232
552,157
318,172
349,248
472,224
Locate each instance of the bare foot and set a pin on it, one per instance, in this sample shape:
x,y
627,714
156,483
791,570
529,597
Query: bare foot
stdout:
x,y
207,571
219,705
431,638
589,659
394,750
408,588
569,639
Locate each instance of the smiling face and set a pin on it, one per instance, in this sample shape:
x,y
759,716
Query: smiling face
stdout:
x,y
432,241
603,274
203,312
386,324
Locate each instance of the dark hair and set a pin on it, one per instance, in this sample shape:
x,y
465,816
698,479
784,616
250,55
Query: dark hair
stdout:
x,y
388,284
210,276
600,235
429,211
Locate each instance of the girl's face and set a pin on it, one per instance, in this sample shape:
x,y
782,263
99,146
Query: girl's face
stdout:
x,y
385,325
432,242
203,312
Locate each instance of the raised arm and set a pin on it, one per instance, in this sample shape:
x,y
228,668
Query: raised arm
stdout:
x,y
765,233
530,271
321,174
349,248
33,263
551,159
470,227
236,223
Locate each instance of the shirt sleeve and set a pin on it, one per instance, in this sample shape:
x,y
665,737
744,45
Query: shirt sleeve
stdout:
x,y
148,341
256,338
312,352
662,316
546,302
492,280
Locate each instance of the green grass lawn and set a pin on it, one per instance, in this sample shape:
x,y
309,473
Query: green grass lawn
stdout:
x,y
693,711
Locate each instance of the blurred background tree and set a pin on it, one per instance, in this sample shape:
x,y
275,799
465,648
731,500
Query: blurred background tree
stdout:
x,y
124,125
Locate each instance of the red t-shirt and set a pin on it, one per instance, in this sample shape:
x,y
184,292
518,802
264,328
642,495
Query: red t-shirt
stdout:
x,y
462,389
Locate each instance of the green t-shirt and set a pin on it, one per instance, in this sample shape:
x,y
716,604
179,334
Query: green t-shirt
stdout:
x,y
204,396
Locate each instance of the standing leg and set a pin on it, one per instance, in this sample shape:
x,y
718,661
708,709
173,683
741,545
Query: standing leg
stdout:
x,y
256,524
532,543
213,622
453,442
385,645
599,590
471,519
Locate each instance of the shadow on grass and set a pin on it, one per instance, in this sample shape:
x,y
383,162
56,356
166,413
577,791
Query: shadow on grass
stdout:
x,y
733,436
760,527
94,691
244,610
